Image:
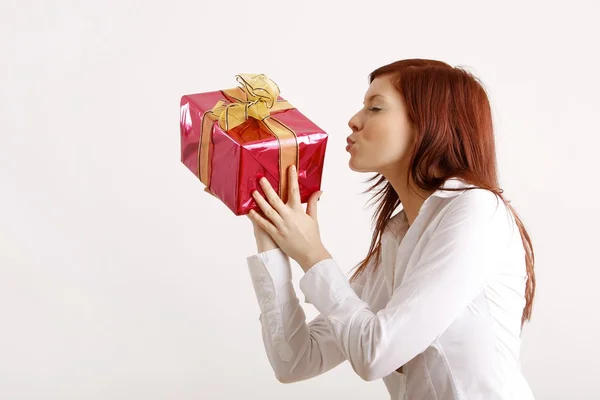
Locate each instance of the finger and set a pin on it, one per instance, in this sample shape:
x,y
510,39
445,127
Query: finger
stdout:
x,y
262,223
311,207
272,196
259,212
253,220
268,211
294,200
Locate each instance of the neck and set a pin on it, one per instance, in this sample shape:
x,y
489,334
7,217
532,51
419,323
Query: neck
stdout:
x,y
410,195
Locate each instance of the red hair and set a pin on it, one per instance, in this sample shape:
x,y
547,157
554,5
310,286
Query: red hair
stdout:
x,y
454,137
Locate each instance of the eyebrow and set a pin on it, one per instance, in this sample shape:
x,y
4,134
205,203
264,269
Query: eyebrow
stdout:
x,y
371,97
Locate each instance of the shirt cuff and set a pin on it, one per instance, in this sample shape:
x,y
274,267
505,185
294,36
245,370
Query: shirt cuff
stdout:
x,y
325,286
271,276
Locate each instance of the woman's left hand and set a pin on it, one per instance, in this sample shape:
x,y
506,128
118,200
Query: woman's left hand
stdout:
x,y
294,230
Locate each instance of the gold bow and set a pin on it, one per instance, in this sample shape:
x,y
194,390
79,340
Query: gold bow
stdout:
x,y
256,98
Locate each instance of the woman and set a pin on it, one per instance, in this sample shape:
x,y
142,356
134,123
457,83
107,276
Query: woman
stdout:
x,y
437,306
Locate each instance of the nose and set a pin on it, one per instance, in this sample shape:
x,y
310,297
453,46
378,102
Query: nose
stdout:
x,y
353,123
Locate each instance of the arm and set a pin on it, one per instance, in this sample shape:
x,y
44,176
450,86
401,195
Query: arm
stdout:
x,y
456,264
296,350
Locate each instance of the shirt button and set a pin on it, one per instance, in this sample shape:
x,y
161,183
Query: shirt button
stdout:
x,y
271,296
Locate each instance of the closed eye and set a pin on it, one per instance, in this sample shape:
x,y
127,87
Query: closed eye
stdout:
x,y
374,109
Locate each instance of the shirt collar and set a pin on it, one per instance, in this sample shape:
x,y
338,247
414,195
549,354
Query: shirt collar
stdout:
x,y
450,183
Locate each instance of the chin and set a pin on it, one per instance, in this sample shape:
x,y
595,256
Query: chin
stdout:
x,y
356,167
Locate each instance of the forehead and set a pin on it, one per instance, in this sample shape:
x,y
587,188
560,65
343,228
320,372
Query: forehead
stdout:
x,y
381,86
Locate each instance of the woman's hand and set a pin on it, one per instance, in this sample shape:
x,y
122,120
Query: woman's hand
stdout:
x,y
295,231
264,242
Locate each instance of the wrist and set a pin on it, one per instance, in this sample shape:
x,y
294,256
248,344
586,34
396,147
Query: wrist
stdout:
x,y
265,242
261,247
314,258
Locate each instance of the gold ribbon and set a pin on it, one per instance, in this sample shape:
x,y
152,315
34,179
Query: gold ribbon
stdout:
x,y
256,98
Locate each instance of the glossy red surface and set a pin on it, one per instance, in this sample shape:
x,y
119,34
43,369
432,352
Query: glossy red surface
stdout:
x,y
241,156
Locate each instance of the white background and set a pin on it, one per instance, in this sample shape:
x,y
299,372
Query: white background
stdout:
x,y
121,279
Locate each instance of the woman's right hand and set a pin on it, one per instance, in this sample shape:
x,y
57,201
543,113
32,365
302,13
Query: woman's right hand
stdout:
x,y
264,241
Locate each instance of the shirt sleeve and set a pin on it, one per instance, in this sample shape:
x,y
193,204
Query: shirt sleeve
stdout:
x,y
458,260
296,350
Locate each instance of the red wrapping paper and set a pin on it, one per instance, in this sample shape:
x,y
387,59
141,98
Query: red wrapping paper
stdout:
x,y
241,156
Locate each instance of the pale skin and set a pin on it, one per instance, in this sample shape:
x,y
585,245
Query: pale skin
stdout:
x,y
381,140
287,225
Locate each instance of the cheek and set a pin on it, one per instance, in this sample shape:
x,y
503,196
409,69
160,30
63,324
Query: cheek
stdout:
x,y
387,132
393,145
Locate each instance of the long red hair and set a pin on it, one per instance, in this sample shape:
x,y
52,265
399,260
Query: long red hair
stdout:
x,y
454,137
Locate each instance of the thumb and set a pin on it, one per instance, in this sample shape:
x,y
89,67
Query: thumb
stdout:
x,y
311,208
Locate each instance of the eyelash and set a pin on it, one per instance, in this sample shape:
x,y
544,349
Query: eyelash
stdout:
x,y
375,109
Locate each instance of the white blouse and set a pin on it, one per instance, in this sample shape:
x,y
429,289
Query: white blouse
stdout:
x,y
444,301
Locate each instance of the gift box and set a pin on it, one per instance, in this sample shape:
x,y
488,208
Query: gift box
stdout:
x,y
231,138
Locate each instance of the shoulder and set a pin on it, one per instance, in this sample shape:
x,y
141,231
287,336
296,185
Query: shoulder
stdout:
x,y
477,212
476,203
